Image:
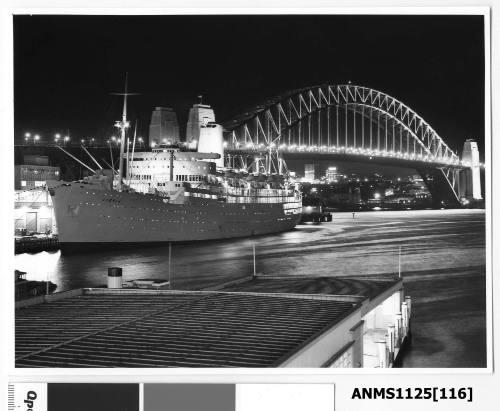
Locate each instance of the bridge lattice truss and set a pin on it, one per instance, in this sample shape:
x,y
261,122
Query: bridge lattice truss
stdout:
x,y
341,119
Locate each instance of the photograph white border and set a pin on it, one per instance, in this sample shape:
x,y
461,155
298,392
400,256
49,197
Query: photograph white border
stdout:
x,y
219,374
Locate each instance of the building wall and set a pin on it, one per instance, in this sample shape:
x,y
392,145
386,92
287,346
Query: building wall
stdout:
x,y
36,160
376,324
164,127
33,212
345,359
357,348
30,176
331,175
309,172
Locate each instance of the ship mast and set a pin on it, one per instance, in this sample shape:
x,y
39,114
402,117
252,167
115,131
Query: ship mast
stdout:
x,y
122,125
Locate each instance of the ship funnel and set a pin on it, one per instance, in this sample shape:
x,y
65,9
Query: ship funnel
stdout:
x,y
211,141
203,133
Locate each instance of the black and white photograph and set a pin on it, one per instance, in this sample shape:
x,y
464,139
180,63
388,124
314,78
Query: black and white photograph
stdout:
x,y
250,191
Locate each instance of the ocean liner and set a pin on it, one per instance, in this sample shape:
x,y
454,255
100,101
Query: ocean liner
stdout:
x,y
172,195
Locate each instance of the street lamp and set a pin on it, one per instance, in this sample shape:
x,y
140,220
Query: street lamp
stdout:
x,y
27,135
36,138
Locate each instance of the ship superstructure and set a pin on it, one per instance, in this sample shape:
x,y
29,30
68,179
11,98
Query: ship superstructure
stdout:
x,y
170,194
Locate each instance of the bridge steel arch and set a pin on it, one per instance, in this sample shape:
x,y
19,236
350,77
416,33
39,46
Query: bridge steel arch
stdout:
x,y
284,123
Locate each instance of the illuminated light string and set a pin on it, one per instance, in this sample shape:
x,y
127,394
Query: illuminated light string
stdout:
x,y
359,151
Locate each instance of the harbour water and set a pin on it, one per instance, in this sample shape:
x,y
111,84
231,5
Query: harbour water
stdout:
x,y
443,256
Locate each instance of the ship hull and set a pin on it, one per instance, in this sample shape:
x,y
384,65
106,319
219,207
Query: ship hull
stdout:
x,y
88,217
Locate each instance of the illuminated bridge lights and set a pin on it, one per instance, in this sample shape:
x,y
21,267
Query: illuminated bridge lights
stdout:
x,y
352,151
355,120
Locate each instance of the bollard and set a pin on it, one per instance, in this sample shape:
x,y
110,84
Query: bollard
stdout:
x,y
114,277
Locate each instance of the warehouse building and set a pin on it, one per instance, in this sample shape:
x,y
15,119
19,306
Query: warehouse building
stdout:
x,y
33,211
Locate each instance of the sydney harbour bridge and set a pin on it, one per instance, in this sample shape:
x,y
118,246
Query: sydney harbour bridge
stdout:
x,y
350,123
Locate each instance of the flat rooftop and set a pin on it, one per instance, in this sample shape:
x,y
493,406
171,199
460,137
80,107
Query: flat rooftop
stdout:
x,y
256,323
169,329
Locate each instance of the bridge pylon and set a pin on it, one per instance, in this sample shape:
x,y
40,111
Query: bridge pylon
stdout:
x,y
470,177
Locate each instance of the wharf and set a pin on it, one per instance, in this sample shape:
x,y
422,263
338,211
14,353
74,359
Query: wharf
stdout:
x,y
35,244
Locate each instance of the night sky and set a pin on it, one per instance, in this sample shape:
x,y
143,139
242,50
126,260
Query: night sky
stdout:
x,y
66,66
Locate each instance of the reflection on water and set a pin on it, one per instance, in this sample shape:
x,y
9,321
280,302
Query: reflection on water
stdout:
x,y
39,266
194,265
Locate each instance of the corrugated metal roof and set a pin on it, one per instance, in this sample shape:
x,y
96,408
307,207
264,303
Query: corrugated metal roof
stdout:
x,y
170,329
